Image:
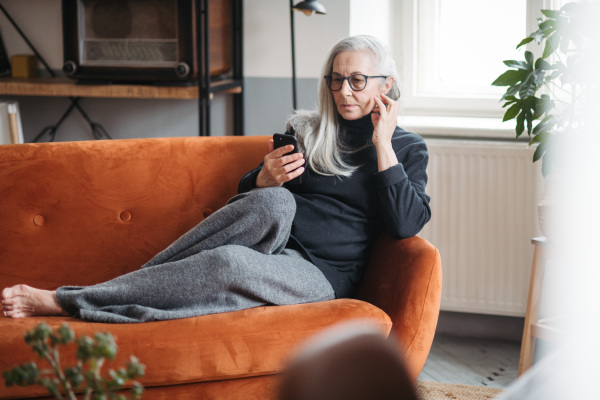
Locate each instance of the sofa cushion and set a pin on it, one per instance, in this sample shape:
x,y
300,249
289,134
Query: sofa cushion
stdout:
x,y
239,344
80,213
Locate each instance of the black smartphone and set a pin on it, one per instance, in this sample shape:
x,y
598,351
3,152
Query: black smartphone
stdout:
x,y
281,140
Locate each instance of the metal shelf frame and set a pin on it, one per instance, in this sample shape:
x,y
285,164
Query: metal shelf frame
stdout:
x,y
205,85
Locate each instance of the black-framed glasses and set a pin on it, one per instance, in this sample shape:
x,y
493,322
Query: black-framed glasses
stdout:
x,y
357,82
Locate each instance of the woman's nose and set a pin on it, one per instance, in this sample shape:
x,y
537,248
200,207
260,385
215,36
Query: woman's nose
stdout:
x,y
346,90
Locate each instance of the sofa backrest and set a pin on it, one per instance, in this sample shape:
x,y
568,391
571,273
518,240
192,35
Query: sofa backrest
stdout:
x,y
79,213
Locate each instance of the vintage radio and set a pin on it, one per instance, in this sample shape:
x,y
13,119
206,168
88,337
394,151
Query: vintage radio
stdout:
x,y
142,40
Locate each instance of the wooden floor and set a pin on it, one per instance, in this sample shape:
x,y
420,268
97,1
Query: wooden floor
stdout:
x,y
472,361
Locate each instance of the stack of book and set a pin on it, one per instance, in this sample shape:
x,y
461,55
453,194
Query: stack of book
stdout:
x,y
11,129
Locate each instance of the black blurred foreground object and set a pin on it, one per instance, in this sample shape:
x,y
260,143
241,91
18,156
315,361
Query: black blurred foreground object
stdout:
x,y
352,361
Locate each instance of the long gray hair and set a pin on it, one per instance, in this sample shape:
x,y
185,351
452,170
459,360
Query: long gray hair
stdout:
x,y
317,131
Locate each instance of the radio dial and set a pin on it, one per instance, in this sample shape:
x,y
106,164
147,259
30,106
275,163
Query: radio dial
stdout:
x,y
70,68
182,70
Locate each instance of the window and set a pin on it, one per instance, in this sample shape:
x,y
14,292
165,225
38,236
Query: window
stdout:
x,y
450,51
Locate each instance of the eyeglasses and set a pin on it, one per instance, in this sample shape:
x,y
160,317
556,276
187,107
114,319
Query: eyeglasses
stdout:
x,y
357,82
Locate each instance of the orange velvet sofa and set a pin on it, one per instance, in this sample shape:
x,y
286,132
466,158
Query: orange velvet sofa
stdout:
x,y
79,213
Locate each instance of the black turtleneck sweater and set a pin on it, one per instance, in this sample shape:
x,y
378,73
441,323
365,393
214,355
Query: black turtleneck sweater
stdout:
x,y
338,218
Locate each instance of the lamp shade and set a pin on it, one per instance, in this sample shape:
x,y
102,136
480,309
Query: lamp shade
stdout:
x,y
310,7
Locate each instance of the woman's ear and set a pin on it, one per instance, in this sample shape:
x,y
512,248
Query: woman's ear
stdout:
x,y
389,82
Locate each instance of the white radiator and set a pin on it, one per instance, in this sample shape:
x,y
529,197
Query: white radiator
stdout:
x,y
484,198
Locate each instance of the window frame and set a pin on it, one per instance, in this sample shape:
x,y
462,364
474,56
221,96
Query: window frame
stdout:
x,y
404,46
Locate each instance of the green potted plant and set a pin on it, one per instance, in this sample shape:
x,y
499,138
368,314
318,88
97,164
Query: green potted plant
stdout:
x,y
545,94
85,377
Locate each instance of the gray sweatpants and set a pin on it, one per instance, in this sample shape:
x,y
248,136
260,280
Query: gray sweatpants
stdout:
x,y
235,259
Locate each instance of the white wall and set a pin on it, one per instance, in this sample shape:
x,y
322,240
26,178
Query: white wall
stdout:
x,y
267,37
41,21
371,17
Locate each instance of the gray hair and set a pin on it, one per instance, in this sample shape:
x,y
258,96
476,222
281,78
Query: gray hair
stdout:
x,y
318,132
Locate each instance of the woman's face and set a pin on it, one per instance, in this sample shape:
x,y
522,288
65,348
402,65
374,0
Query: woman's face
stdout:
x,y
352,104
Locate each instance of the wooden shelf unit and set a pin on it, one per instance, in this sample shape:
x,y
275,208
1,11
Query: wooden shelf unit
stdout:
x,y
65,87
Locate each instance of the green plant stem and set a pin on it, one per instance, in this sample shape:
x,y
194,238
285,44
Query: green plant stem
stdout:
x,y
95,369
55,364
97,373
87,393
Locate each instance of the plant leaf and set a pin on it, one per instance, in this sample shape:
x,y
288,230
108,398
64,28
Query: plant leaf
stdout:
x,y
538,76
65,333
539,36
542,106
516,64
547,25
541,64
541,137
528,87
570,8
510,77
529,59
510,93
551,45
539,151
547,164
523,42
520,124
551,13
512,112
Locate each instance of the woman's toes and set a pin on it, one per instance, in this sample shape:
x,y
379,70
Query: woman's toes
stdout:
x,y
6,293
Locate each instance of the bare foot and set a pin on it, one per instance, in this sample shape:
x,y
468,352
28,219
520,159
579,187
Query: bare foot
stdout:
x,y
22,301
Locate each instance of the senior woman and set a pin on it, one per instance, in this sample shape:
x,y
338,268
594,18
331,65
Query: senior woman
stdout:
x,y
301,228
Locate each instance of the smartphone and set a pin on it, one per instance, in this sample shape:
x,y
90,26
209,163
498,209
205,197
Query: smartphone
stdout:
x,y
281,140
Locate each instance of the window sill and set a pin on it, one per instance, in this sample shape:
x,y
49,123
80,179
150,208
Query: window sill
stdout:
x,y
459,127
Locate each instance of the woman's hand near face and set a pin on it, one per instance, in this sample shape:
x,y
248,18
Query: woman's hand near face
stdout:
x,y
385,119
278,168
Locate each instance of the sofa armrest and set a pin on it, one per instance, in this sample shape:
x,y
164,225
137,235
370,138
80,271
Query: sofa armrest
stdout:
x,y
404,279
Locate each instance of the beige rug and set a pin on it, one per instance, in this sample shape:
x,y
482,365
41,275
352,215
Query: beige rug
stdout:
x,y
449,391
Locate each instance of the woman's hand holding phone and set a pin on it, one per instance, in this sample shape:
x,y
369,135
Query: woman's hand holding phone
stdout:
x,y
281,165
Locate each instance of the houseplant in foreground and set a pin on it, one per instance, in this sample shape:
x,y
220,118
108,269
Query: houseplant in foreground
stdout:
x,y
545,94
85,377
